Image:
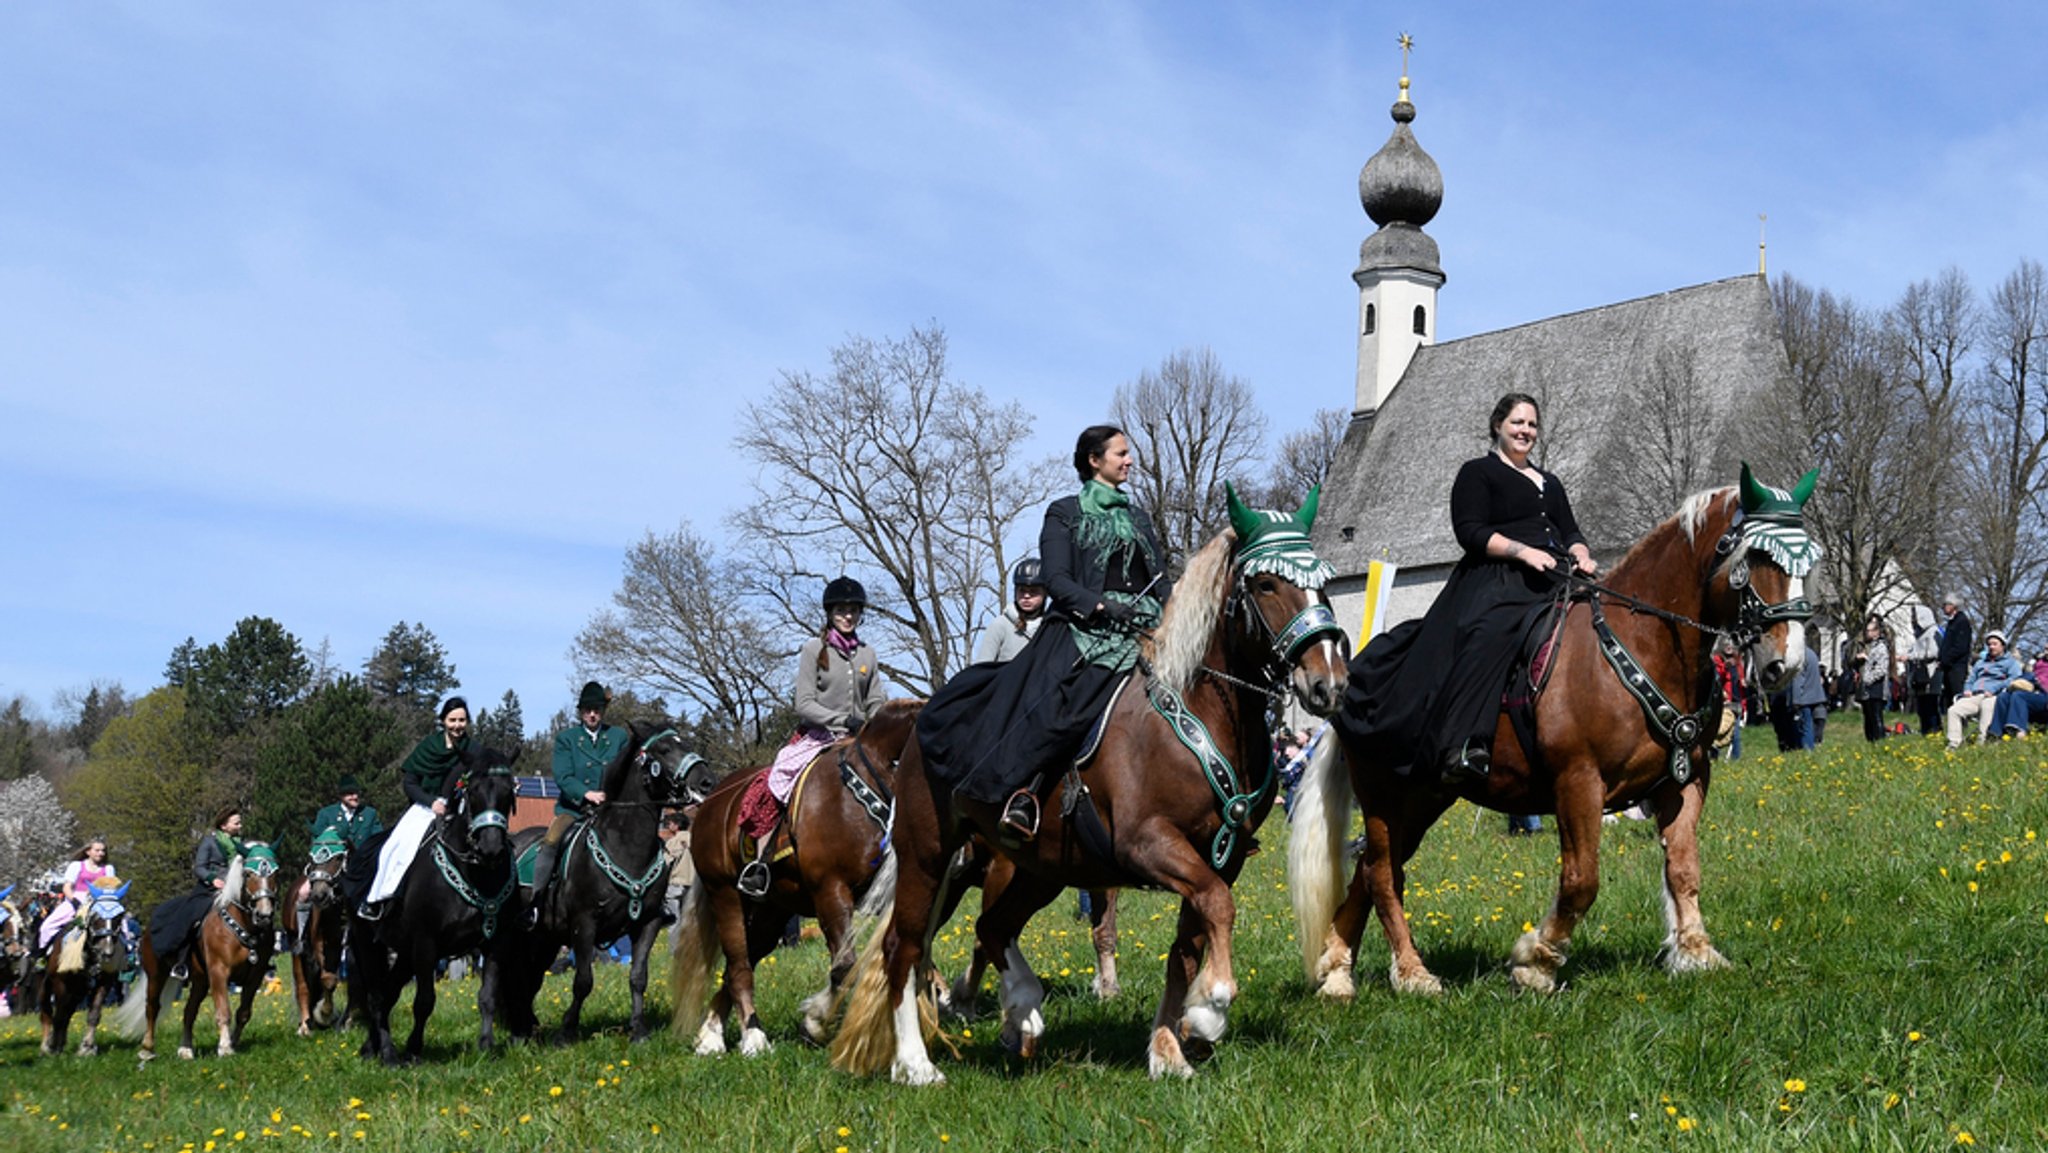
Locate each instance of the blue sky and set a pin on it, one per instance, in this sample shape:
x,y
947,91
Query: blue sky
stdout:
x,y
353,314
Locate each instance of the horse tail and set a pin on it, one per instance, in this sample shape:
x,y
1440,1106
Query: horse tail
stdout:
x,y
1320,816
881,894
693,947
126,1020
866,1042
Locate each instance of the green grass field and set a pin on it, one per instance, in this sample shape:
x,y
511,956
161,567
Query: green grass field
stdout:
x,y
1884,909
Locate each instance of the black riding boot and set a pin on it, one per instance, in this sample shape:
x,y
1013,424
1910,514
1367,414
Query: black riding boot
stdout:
x,y
1468,765
543,872
1020,813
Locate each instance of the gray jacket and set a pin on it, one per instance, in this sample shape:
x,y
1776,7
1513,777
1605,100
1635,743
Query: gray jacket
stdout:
x,y
1006,636
840,697
1807,688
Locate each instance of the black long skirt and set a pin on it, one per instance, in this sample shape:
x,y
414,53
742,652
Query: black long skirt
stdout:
x,y
1428,688
994,726
173,923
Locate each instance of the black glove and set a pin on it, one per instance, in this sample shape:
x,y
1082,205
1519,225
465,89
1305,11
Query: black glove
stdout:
x,y
1120,614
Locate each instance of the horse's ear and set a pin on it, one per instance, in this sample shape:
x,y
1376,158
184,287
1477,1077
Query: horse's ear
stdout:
x,y
1305,516
1753,494
117,894
1804,488
1242,519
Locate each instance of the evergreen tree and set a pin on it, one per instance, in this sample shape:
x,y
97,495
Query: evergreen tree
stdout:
x,y
504,727
409,672
183,664
253,674
17,742
336,731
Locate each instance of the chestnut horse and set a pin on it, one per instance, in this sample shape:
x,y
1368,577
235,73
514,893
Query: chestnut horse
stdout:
x,y
1179,782
234,943
108,955
316,966
840,844
1722,566
979,864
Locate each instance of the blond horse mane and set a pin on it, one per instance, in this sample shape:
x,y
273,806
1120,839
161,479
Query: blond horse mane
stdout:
x,y
1691,516
231,889
1198,599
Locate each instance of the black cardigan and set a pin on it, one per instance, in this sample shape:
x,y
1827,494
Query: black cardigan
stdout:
x,y
1074,577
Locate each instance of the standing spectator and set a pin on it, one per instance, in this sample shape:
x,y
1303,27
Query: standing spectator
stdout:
x,y
1956,648
1980,693
1809,699
1923,671
1873,678
682,868
1734,684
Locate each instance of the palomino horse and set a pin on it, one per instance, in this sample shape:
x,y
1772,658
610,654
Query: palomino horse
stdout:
x,y
107,955
1627,713
234,943
316,966
459,895
838,820
611,880
1178,784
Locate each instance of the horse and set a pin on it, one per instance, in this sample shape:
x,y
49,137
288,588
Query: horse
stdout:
x,y
459,894
611,880
1170,798
1627,713
106,956
979,864
14,942
234,943
316,965
839,825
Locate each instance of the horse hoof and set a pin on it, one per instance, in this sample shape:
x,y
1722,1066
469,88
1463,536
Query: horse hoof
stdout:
x,y
1695,957
305,1030
1165,1058
184,1052
1107,990
88,1050
1196,1048
1421,982
754,1043
1533,979
922,1074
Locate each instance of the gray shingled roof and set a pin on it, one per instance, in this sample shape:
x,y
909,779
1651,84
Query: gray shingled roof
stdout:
x,y
1391,481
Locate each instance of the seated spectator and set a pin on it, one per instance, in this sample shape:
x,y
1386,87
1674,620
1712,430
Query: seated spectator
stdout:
x,y
2022,702
1979,697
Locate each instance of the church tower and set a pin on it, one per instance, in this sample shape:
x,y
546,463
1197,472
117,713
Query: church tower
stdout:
x,y
1398,273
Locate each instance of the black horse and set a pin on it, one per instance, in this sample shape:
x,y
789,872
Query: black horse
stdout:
x,y
459,896
107,955
611,881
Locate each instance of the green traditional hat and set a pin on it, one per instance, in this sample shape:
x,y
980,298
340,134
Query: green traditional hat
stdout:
x,y
593,696
1270,541
348,784
1774,521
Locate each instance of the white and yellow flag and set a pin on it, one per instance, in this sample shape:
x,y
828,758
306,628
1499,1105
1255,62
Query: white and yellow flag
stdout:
x,y
1379,588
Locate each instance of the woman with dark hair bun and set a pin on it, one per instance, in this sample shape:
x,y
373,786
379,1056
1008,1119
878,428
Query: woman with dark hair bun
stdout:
x,y
1001,732
1430,689
429,776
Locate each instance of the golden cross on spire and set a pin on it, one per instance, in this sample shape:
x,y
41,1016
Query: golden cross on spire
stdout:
x,y
1407,45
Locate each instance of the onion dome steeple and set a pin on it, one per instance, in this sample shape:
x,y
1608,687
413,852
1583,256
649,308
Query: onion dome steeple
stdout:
x,y
1398,271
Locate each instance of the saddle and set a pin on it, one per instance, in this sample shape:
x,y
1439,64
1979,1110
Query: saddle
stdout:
x,y
1531,673
1093,741
767,828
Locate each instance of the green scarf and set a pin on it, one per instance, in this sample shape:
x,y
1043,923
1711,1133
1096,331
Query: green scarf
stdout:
x,y
1106,528
432,759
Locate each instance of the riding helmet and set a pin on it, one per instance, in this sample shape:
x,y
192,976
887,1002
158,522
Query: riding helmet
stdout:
x,y
1027,572
845,590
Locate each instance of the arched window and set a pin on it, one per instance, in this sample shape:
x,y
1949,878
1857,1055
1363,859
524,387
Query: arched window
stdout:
x,y
1371,320
1421,321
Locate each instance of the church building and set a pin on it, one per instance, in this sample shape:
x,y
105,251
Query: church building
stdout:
x,y
1643,401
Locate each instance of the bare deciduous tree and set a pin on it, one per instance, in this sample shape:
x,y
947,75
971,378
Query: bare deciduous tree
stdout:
x,y
1852,409
1671,448
2001,542
679,624
891,471
1193,426
1303,458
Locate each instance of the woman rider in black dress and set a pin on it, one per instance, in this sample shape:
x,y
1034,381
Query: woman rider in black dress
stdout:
x,y
1428,691
1004,731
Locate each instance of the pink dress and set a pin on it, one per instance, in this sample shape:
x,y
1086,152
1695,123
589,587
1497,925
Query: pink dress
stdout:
x,y
78,881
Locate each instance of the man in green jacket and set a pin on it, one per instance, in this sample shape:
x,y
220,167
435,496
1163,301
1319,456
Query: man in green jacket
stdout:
x,y
349,816
581,753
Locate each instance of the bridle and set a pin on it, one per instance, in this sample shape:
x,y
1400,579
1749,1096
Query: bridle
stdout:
x,y
450,861
261,864
1315,624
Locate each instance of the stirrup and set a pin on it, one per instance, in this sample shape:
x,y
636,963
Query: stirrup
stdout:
x,y
753,880
1020,814
371,910
1469,766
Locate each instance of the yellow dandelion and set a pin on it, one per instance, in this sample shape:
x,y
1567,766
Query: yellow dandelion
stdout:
x,y
844,1132
1891,1100
1795,1085
355,1102
361,1116
654,1129
1963,1137
1973,886
554,1090
1686,1124
1914,1035
525,1118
